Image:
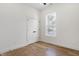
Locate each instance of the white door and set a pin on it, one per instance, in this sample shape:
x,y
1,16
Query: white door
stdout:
x,y
32,30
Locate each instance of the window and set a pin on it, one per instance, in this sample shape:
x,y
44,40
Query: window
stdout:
x,y
51,24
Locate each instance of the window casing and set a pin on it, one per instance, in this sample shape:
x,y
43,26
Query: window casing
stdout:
x,y
51,24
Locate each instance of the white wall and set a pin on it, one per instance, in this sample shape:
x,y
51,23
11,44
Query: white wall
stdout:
x,y
67,25
13,25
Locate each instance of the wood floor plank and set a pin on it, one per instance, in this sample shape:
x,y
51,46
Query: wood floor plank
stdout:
x,y
42,49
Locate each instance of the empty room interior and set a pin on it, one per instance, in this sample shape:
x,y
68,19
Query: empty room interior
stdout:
x,y
39,29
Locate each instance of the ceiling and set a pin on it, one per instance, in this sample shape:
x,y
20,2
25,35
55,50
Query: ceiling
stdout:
x,y
38,6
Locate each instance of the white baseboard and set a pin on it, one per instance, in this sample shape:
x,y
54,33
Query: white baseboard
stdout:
x,y
59,45
22,45
16,47
12,48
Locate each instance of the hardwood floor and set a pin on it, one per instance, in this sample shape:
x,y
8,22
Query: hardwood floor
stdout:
x,y
42,49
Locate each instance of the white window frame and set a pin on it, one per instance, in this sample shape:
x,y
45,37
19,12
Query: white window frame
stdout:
x,y
53,32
